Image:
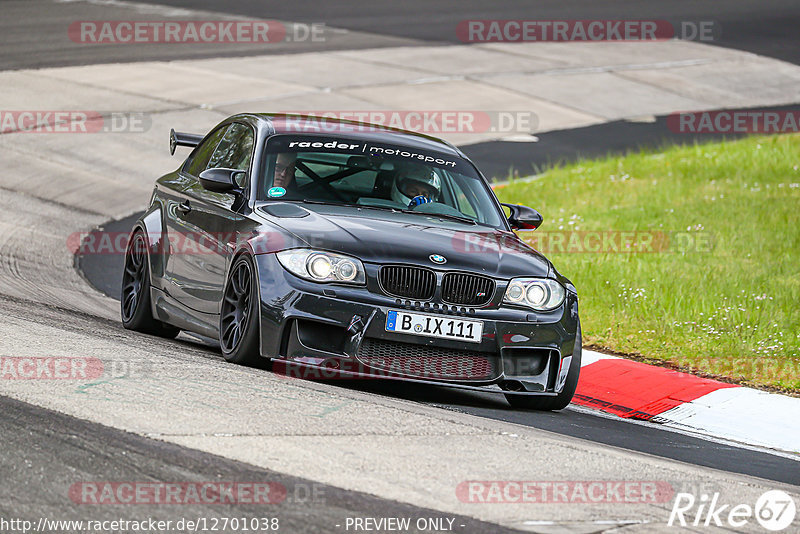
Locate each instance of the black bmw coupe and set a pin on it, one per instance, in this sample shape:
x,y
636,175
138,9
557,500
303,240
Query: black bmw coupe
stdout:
x,y
335,248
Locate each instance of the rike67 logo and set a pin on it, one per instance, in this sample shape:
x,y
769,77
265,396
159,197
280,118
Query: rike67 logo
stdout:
x,y
775,511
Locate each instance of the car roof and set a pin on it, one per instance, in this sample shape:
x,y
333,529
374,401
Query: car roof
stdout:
x,y
280,123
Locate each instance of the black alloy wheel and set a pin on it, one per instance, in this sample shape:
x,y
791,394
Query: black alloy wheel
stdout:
x,y
135,296
238,332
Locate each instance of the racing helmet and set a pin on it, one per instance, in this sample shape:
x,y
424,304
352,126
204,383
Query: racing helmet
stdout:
x,y
416,180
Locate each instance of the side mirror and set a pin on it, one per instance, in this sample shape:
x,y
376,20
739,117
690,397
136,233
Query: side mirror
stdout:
x,y
220,180
523,217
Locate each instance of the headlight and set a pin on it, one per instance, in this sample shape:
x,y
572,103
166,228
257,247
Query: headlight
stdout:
x,y
541,294
319,266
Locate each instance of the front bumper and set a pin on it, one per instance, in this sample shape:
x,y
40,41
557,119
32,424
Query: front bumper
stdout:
x,y
326,330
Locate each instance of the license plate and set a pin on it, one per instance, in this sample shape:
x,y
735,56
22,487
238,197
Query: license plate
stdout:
x,y
437,326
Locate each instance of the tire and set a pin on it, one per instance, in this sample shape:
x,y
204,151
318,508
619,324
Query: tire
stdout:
x,y
135,309
238,318
562,400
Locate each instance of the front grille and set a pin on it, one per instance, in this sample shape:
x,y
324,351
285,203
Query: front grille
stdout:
x,y
407,282
424,361
469,289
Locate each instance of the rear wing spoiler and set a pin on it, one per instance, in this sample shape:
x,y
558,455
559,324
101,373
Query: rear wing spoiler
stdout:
x,y
177,139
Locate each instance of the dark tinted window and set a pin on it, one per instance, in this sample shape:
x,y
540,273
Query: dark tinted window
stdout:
x,y
199,159
234,149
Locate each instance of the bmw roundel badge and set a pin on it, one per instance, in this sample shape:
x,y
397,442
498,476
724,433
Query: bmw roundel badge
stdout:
x,y
437,258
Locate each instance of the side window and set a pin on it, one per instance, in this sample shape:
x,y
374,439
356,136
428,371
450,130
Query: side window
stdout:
x,y
464,198
198,161
235,148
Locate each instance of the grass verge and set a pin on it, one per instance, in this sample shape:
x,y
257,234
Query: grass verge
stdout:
x,y
689,257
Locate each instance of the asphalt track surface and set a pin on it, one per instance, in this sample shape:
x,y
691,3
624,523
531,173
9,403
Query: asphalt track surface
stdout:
x,y
33,32
767,27
28,40
104,272
91,452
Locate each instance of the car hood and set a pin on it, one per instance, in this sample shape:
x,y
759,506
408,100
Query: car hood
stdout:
x,y
377,236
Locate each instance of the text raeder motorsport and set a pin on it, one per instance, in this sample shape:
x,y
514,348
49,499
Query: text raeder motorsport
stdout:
x,y
372,149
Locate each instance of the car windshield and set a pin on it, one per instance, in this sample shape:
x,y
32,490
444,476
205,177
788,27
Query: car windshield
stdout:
x,y
375,175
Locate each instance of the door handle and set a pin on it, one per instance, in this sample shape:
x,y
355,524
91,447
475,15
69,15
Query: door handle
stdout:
x,y
184,207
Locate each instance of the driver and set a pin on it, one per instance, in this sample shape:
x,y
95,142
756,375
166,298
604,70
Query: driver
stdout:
x,y
284,171
417,185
